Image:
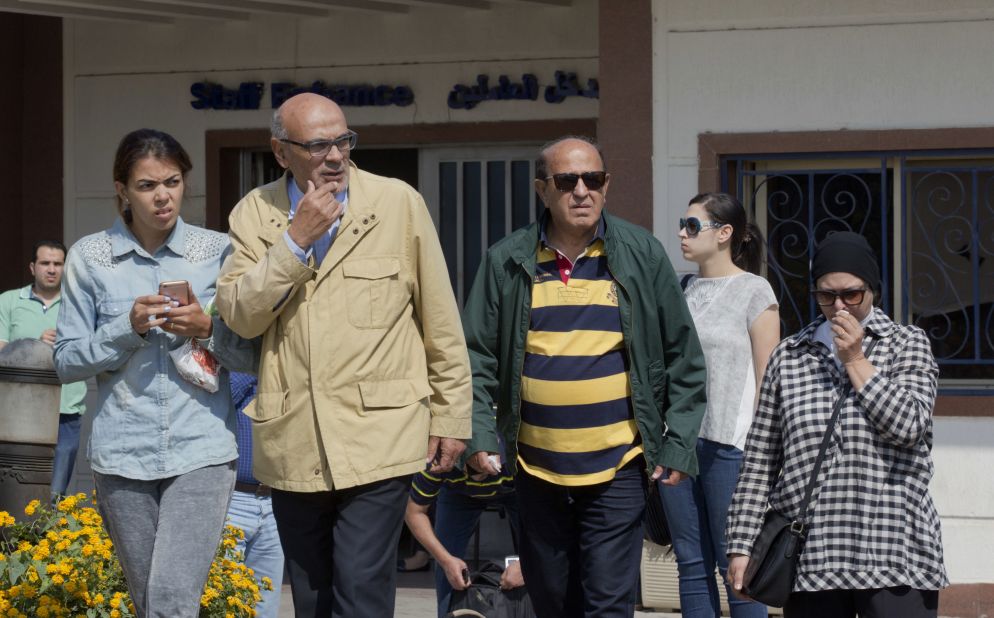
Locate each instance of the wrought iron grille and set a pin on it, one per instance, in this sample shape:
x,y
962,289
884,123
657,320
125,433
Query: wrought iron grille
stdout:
x,y
931,212
949,262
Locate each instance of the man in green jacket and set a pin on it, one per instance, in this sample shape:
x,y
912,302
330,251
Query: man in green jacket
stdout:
x,y
579,334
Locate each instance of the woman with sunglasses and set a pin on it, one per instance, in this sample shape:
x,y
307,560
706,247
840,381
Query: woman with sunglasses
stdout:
x,y
873,543
736,316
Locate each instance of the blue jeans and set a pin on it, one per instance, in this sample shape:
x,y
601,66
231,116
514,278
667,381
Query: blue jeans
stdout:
x,y
696,511
456,515
65,453
581,546
261,546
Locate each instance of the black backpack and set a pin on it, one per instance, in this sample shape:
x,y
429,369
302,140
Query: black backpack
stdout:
x,y
485,599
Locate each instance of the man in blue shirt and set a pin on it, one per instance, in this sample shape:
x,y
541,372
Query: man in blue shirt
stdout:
x,y
31,313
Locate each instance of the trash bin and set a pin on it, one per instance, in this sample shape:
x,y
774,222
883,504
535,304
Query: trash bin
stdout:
x,y
29,422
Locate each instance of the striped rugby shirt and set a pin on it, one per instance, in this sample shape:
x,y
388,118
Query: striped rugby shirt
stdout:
x,y
577,422
425,485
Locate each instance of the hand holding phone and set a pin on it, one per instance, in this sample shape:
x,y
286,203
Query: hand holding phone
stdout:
x,y
176,290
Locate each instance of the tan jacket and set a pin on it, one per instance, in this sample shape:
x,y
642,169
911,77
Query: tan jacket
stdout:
x,y
362,357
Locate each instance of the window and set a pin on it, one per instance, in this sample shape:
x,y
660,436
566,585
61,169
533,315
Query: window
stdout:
x,y
477,196
931,218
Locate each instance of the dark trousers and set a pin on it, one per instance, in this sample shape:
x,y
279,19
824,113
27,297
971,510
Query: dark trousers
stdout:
x,y
902,601
581,546
340,548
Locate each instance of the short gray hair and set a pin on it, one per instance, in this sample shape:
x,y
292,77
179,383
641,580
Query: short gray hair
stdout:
x,y
276,128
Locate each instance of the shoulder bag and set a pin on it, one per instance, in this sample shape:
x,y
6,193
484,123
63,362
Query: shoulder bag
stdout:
x,y
772,565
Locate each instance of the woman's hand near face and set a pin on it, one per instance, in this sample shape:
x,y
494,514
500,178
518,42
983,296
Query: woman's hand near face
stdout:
x,y
849,345
150,311
189,320
848,334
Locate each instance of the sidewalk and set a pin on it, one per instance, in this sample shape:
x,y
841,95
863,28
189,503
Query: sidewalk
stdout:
x,y
416,598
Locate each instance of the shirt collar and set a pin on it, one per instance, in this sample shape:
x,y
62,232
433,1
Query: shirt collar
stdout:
x,y
28,293
123,241
544,223
295,195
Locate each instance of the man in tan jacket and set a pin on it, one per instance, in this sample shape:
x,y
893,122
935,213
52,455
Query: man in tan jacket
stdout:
x,y
364,375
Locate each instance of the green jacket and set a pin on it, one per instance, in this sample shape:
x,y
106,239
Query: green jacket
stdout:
x,y
667,364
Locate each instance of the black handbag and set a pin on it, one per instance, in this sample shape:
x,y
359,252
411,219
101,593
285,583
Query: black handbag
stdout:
x,y
654,526
772,568
485,599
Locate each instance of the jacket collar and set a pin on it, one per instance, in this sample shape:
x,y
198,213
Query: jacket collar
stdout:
x,y
524,252
123,241
878,324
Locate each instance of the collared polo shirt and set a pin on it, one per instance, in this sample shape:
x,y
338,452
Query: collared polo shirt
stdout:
x,y
578,424
24,316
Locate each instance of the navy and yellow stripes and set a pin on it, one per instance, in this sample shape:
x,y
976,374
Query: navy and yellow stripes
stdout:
x,y
578,425
425,485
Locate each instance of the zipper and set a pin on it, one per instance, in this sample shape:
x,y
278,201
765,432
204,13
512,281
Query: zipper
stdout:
x,y
520,369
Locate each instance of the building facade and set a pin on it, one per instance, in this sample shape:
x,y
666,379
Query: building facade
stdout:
x,y
872,116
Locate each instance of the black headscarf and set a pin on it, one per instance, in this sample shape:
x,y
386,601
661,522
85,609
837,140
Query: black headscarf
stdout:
x,y
846,252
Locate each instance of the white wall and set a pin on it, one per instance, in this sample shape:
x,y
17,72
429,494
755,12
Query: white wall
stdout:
x,y
120,77
781,65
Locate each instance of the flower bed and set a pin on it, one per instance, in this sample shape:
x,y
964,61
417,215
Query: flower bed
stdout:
x,y
60,562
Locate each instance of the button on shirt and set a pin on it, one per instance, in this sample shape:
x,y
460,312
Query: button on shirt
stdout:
x,y
150,422
320,247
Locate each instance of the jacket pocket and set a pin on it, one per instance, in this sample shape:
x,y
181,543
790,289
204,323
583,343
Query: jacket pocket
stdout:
x,y
657,381
392,393
267,406
374,291
392,427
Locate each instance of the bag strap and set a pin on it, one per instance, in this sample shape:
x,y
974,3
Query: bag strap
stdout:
x,y
798,524
685,280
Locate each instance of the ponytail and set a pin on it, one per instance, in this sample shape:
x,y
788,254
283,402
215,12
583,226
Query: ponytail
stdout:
x,y
747,239
749,255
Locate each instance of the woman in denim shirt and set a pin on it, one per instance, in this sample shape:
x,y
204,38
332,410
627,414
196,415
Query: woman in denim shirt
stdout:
x,y
162,449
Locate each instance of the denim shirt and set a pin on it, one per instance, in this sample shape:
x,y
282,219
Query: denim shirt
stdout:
x,y
150,422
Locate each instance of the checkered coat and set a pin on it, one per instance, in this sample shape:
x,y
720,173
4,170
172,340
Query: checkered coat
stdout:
x,y
871,522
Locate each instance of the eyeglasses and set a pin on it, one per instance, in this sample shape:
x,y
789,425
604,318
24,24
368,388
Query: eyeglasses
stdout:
x,y
321,147
567,182
826,298
695,226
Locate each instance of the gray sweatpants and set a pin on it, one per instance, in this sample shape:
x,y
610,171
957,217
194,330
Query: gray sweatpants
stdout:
x,y
166,532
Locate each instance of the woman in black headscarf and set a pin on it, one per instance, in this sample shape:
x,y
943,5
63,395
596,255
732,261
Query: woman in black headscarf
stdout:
x,y
873,541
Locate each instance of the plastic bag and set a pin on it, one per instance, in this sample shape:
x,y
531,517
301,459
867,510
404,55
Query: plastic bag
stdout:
x,y
196,365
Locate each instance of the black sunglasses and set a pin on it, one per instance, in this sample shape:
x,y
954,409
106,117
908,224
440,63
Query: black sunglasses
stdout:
x,y
826,298
695,226
567,182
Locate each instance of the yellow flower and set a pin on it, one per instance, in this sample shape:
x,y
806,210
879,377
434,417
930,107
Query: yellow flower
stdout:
x,y
32,507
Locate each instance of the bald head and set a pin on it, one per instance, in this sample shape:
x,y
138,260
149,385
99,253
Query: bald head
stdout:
x,y
567,142
304,119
